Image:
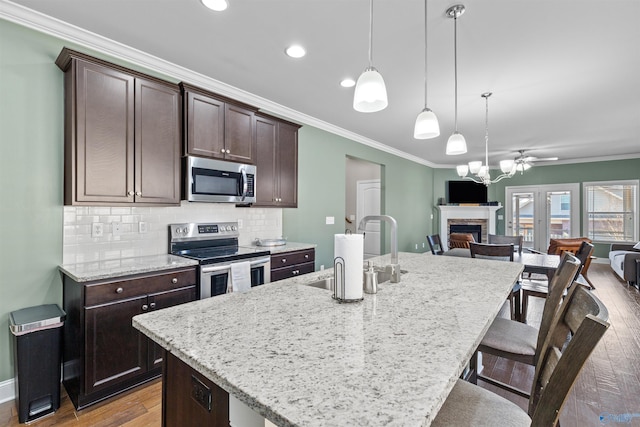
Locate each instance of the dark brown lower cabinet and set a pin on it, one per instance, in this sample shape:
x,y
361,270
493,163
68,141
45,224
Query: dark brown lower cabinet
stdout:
x,y
293,263
103,354
189,399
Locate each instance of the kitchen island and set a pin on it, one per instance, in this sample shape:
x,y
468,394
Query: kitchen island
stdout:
x,y
299,358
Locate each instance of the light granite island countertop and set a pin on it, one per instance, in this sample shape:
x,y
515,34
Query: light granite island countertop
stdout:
x,y
299,358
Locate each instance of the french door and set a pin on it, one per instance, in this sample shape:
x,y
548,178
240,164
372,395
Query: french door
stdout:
x,y
540,213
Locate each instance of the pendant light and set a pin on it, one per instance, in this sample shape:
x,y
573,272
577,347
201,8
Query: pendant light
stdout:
x,y
456,143
426,126
371,93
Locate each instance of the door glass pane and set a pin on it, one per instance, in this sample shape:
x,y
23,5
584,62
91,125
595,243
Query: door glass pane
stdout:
x,y
522,206
558,214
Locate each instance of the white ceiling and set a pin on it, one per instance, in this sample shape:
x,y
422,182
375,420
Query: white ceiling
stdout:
x,y
565,74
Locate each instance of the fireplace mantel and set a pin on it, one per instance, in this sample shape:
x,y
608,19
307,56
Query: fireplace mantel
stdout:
x,y
466,212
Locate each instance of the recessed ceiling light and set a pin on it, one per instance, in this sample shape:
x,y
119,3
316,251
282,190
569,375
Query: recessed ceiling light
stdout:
x,y
295,51
348,83
217,5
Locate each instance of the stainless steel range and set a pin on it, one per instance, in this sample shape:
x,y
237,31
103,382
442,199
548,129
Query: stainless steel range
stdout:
x,y
215,247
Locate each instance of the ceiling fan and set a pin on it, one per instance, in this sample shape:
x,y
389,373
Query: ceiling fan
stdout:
x,y
523,162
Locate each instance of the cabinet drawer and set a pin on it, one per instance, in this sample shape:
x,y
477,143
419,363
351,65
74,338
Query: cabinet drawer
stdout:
x,y
100,293
292,258
291,271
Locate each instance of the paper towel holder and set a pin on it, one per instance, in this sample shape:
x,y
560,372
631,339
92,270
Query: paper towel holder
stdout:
x,y
338,273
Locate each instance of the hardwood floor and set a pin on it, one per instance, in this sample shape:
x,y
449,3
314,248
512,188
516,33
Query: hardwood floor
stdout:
x,y
609,383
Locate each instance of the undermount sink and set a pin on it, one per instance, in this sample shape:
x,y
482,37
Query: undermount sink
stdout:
x,y
327,283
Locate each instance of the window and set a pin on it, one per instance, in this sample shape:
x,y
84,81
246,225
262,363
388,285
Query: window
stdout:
x,y
611,211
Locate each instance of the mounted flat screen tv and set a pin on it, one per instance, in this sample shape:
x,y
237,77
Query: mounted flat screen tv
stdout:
x,y
466,192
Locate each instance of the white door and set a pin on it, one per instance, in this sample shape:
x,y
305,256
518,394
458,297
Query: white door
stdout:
x,y
540,213
368,203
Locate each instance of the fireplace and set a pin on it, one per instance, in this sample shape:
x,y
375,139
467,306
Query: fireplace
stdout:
x,y
474,229
475,216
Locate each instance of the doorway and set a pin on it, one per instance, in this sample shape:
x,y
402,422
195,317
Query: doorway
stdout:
x,y
540,213
364,196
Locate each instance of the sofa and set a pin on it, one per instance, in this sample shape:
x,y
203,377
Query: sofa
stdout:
x,y
624,259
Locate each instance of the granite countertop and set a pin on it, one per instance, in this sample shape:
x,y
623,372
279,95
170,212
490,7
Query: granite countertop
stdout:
x,y
296,356
98,270
288,247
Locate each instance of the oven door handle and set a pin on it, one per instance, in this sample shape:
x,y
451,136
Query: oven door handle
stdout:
x,y
261,261
214,269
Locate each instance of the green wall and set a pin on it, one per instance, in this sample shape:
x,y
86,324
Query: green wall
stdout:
x,y
407,188
553,174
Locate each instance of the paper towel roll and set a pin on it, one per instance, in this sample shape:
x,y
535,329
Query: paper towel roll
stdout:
x,y
350,247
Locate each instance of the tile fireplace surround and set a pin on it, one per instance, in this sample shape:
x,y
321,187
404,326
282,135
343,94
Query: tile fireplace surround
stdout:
x,y
485,216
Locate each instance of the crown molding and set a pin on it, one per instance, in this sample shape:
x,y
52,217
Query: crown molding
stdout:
x,y
46,24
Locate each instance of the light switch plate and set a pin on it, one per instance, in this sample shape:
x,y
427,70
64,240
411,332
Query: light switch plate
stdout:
x,y
116,228
330,220
500,217
142,227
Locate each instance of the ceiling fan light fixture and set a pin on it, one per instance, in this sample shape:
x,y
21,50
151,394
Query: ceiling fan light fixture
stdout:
x,y
371,93
426,125
217,5
456,144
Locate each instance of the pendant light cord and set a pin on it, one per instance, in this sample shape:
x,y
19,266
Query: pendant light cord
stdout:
x,y
455,66
486,129
370,33
425,53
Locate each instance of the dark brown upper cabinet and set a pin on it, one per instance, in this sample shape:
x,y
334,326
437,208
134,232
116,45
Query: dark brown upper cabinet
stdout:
x,y
217,127
122,134
277,162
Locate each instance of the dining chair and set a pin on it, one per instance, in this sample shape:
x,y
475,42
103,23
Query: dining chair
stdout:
x,y
460,240
520,342
582,319
500,239
540,288
503,253
435,244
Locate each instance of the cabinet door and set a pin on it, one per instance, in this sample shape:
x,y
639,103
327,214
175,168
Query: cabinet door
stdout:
x,y
115,350
266,179
287,158
104,134
205,125
162,300
238,134
157,146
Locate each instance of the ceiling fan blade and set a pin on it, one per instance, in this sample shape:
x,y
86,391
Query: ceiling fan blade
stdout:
x,y
546,159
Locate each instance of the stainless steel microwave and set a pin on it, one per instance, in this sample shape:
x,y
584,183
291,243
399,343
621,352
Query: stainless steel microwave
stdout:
x,y
210,180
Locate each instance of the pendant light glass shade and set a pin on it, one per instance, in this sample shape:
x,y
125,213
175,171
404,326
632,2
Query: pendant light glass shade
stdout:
x,y
371,93
426,125
463,170
456,144
507,166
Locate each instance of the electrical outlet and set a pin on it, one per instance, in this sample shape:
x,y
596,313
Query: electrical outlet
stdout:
x,y
97,229
431,216
416,246
321,267
422,245
240,224
116,228
330,220
201,393
500,217
142,227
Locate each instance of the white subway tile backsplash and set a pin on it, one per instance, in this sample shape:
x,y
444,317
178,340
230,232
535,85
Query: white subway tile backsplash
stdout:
x,y
79,246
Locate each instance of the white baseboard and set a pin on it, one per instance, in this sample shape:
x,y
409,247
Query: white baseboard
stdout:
x,y
7,390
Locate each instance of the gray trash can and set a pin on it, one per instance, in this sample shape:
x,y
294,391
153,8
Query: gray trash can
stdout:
x,y
37,339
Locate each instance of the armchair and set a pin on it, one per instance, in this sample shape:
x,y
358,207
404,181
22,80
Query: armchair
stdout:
x,y
625,262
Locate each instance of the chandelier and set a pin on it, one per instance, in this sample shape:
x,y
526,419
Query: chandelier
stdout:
x,y
481,171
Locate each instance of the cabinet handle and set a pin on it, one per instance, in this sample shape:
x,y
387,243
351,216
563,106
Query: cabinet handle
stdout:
x,y
283,260
228,151
306,256
174,280
223,151
119,290
145,307
138,193
130,193
152,305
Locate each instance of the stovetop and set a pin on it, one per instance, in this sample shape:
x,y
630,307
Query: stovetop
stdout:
x,y
210,243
